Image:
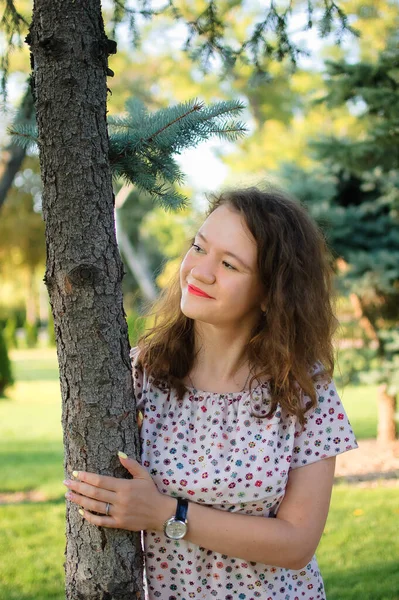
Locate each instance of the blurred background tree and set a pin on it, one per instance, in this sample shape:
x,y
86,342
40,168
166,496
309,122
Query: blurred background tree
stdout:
x,y
6,375
360,179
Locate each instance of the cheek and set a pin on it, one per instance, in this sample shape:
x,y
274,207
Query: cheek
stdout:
x,y
246,296
185,267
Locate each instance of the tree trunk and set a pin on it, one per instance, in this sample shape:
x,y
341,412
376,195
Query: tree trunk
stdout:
x,y
386,416
386,405
364,321
83,275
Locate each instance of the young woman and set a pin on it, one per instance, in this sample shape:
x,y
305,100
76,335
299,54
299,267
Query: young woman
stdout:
x,y
242,421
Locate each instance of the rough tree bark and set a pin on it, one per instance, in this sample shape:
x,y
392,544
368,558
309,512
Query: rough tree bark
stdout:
x,y
83,275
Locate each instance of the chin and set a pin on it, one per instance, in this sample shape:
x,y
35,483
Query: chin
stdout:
x,y
195,313
189,311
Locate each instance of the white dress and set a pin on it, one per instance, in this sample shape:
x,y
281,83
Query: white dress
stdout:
x,y
209,449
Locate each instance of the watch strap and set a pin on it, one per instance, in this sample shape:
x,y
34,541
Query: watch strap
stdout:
x,y
181,510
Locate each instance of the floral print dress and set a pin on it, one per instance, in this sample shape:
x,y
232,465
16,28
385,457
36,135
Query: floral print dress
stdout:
x,y
209,449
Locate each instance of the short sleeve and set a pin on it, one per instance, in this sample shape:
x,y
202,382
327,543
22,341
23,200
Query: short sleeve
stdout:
x,y
326,432
138,377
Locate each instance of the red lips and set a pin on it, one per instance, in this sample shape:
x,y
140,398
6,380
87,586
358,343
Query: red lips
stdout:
x,y
197,292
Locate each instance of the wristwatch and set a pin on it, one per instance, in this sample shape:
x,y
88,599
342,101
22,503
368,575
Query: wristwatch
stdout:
x,y
175,528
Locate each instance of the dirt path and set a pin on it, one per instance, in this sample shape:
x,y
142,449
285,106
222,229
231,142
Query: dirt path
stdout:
x,y
370,462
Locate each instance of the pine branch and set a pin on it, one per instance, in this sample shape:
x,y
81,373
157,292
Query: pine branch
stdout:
x,y
196,107
142,145
24,135
208,32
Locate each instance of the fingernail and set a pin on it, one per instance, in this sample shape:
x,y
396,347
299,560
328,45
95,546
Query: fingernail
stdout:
x,y
122,454
75,474
81,512
68,495
67,482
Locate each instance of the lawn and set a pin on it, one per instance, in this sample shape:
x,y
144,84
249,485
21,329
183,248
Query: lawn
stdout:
x,y
357,555
30,426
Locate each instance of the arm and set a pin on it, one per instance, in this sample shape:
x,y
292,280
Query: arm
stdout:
x,y
288,541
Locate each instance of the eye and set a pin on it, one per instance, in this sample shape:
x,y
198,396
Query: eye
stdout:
x,y
196,248
229,266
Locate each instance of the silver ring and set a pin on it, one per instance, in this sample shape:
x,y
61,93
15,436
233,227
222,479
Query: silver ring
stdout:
x,y
107,506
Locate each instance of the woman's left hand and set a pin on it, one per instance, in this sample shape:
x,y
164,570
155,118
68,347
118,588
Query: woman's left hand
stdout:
x,y
134,504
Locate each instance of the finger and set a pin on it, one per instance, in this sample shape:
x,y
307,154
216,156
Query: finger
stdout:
x,y
88,503
100,481
90,491
98,520
134,467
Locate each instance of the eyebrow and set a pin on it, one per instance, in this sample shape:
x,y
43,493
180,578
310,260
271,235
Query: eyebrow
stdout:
x,y
201,235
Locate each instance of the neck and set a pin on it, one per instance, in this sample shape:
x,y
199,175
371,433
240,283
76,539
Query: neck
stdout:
x,y
220,354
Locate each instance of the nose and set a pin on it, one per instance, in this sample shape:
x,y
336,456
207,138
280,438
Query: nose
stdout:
x,y
203,273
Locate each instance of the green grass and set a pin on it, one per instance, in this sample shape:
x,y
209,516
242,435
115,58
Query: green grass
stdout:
x,y
357,555
30,426
32,551
35,365
361,407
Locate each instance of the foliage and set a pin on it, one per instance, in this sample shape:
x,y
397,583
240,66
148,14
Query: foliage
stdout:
x,y
285,109
21,224
10,332
136,325
12,23
6,375
208,31
354,194
142,144
372,89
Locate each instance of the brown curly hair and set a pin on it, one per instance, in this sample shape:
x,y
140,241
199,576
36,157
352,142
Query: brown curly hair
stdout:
x,y
295,269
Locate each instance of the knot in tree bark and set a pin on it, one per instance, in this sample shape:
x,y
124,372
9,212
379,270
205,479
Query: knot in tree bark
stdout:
x,y
53,46
101,49
84,274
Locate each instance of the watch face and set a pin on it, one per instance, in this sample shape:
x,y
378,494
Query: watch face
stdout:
x,y
175,529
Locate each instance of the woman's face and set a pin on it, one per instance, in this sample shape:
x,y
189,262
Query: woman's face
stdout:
x,y
218,276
